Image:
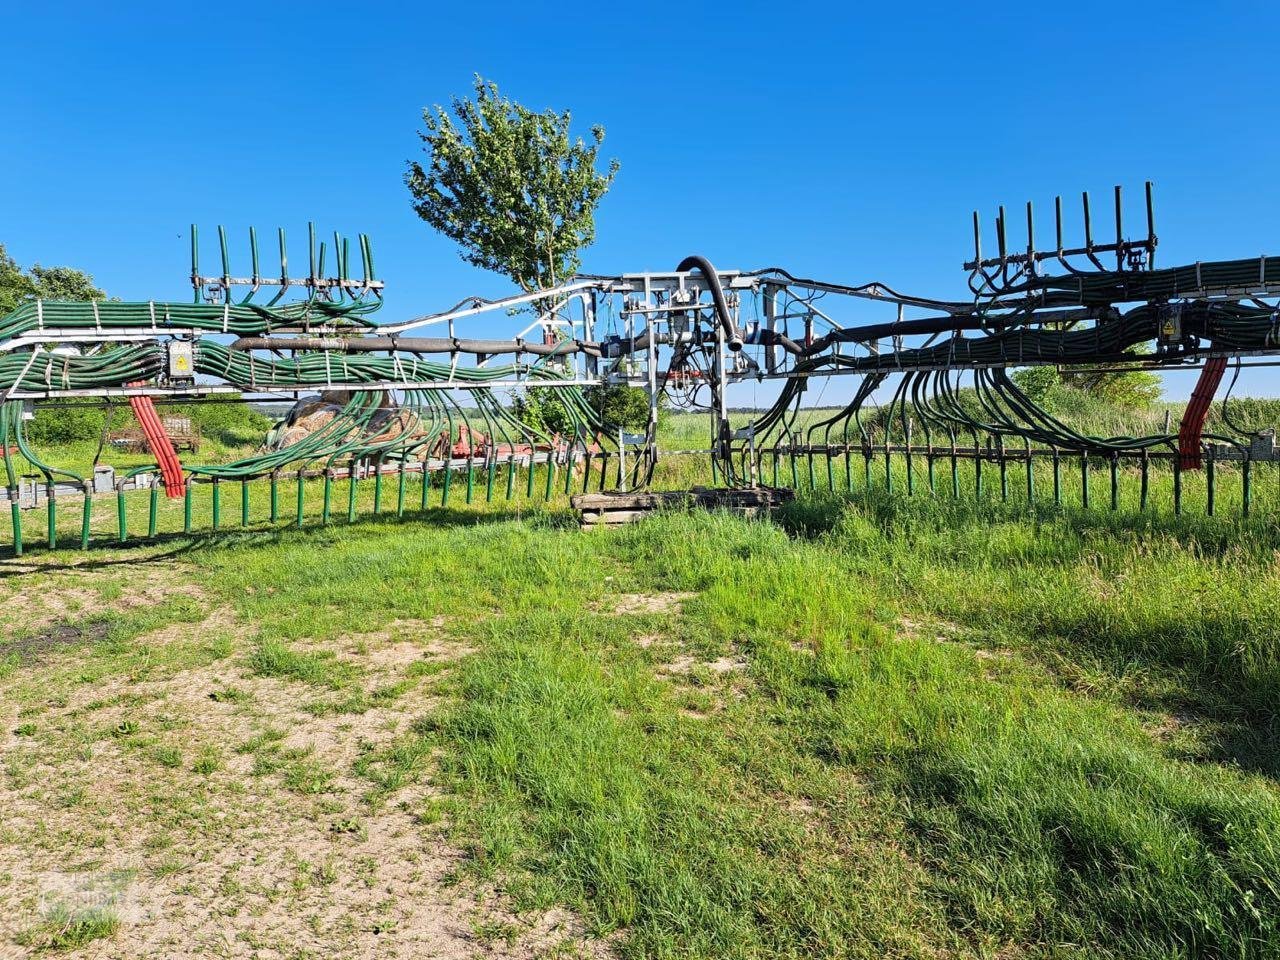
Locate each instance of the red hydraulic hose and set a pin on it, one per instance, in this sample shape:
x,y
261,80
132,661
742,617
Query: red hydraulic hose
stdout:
x,y
160,445
1193,418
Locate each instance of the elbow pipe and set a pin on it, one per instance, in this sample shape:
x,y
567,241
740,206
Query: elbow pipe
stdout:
x,y
703,266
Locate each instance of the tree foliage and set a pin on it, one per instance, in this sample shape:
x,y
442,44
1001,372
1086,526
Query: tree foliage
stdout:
x,y
511,186
44,283
1129,389
617,407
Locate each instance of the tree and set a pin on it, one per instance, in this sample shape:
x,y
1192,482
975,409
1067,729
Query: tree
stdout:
x,y
15,286
518,193
1037,382
43,283
515,190
1129,389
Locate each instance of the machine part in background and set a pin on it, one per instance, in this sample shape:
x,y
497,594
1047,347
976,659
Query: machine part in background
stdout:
x,y
427,396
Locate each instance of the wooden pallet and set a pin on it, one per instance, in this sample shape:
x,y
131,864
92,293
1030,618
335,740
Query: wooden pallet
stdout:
x,y
615,509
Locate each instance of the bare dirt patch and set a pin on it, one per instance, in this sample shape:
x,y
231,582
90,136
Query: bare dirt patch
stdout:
x,y
225,817
684,665
645,603
51,638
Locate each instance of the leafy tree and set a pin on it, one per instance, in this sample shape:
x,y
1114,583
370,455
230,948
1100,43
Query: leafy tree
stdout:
x,y
44,283
63,283
618,408
1037,382
15,286
518,193
1131,389
1128,389
625,408
512,186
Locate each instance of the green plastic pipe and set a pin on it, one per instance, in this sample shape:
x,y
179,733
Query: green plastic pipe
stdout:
x,y
85,517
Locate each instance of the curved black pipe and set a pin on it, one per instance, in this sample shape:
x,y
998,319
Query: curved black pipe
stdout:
x,y
703,266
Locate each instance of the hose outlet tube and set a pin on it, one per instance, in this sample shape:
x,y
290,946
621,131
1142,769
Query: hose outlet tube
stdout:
x,y
732,335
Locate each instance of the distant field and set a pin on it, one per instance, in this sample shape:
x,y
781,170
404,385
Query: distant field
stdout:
x,y
879,726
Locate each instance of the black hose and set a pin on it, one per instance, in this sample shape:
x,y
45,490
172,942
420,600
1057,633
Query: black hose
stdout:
x,y
703,265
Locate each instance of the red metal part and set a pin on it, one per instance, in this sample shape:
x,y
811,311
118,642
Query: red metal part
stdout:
x,y
161,446
1192,426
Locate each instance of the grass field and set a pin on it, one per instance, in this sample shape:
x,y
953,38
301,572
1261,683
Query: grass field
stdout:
x,y
876,725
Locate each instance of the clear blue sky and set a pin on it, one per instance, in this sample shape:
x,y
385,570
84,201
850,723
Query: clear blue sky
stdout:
x,y
837,142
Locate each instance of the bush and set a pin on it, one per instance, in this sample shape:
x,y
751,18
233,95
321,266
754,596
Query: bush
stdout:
x,y
63,422
618,407
1037,382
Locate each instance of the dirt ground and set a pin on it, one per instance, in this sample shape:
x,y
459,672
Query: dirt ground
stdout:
x,y
194,807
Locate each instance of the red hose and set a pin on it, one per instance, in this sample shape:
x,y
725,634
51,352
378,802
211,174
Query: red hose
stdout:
x,y
1193,418
160,445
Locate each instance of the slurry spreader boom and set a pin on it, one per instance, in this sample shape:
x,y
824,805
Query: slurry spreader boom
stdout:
x,y
421,396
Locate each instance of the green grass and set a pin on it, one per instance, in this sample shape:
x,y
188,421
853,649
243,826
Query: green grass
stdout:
x,y
65,929
944,728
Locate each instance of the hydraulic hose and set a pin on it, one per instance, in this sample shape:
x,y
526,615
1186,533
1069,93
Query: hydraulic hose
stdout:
x,y
703,266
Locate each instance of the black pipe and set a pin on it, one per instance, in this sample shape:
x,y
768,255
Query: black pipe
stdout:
x,y
904,328
417,345
703,266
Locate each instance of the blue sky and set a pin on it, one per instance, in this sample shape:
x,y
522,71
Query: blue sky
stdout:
x,y
838,142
